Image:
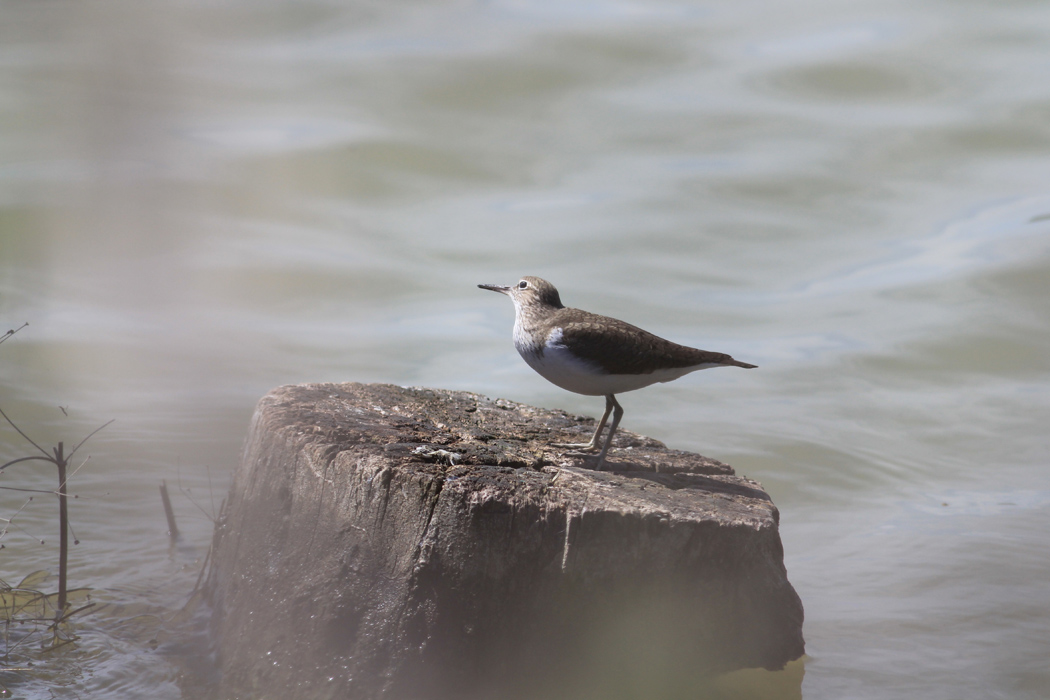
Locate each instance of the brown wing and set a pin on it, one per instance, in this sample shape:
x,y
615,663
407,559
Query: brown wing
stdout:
x,y
622,348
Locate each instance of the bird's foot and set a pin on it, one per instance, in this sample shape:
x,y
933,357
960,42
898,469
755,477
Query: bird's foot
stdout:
x,y
581,446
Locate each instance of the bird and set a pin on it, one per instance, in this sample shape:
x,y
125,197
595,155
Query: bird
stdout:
x,y
595,355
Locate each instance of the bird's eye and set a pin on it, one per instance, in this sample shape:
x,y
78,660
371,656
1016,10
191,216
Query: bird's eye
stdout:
x,y
523,285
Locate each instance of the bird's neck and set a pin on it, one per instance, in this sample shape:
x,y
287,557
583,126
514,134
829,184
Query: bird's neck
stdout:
x,y
528,322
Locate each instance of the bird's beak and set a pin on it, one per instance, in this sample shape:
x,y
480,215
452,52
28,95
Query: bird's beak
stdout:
x,y
496,288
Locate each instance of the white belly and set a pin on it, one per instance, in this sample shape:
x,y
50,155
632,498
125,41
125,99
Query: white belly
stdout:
x,y
560,367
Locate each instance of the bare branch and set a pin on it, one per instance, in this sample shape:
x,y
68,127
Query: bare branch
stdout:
x,y
13,488
88,437
86,460
19,430
11,332
26,459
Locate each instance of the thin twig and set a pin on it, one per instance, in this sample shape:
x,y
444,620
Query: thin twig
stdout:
x,y
15,488
74,612
211,492
19,430
186,493
11,332
25,459
10,520
89,435
74,472
204,570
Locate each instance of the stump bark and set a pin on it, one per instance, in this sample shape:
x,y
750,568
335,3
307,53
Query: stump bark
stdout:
x,y
402,543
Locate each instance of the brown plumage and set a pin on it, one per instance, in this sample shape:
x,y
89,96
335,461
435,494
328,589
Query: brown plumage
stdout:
x,y
621,348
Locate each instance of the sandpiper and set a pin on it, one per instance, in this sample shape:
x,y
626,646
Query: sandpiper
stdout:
x,y
595,355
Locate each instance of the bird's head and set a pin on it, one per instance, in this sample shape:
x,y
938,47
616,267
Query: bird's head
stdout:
x,y
529,292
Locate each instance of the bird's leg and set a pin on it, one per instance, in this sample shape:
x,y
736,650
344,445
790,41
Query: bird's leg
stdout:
x,y
593,444
611,402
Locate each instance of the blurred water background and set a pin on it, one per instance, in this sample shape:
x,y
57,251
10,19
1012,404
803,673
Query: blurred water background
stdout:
x,y
201,201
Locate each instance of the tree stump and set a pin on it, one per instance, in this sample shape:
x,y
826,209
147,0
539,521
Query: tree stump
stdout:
x,y
402,543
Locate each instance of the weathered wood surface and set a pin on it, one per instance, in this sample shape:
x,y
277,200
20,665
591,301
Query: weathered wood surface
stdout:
x,y
418,543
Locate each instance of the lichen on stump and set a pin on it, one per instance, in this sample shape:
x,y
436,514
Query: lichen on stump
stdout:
x,y
388,542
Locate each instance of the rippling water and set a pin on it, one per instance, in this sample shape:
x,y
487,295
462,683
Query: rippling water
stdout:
x,y
199,202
